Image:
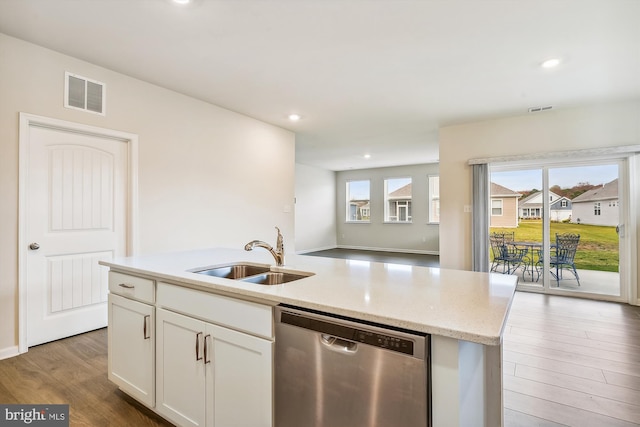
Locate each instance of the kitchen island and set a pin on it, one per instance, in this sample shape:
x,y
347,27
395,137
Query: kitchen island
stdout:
x,y
464,312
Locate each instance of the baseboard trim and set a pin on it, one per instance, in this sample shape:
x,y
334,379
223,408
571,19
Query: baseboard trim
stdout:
x,y
396,250
8,352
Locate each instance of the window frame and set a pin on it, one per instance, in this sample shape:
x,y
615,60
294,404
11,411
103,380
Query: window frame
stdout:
x,y
349,204
501,207
433,218
388,202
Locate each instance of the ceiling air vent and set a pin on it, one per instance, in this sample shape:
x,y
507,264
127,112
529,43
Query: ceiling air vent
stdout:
x,y
81,93
538,109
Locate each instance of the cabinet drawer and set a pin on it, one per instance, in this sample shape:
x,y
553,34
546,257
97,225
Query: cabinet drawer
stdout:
x,y
244,316
131,286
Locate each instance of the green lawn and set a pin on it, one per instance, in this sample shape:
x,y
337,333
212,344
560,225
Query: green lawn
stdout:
x,y
597,250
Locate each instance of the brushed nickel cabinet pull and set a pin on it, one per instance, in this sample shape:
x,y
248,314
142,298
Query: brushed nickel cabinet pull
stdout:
x,y
144,328
198,335
124,285
206,346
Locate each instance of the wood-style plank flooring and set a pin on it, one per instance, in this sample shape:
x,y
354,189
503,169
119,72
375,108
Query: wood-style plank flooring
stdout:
x,y
424,260
73,371
571,362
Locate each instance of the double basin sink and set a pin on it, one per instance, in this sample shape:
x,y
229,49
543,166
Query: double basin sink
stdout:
x,y
254,273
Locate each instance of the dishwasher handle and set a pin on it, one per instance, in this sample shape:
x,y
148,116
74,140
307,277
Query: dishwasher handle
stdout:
x,y
338,344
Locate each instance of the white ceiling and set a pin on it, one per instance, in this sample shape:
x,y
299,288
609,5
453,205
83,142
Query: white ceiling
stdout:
x,y
368,76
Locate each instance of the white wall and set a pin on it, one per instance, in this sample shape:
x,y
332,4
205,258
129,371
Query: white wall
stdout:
x,y
557,130
207,176
584,211
418,236
315,209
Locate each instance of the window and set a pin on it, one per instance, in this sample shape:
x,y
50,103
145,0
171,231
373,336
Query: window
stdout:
x,y
434,199
563,204
596,208
358,201
496,207
397,200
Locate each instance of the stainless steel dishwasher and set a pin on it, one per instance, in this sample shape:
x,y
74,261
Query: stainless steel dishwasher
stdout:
x,y
336,372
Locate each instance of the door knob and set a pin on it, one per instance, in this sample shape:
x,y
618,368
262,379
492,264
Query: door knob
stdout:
x,y
34,246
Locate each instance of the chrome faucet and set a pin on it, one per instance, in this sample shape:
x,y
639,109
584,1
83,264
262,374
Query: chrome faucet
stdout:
x,y
278,253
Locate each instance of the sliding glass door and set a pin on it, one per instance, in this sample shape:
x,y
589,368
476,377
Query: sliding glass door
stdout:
x,y
566,236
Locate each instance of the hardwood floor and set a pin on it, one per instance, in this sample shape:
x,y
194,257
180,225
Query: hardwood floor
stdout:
x,y
567,362
73,371
571,362
380,256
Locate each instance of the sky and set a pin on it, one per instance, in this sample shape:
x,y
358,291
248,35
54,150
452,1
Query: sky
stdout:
x,y
523,180
360,190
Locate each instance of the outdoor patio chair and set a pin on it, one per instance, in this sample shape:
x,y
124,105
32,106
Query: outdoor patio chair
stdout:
x,y
507,256
563,255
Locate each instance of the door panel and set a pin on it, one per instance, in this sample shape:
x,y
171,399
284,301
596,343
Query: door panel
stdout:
x,y
76,214
132,348
239,369
180,370
75,281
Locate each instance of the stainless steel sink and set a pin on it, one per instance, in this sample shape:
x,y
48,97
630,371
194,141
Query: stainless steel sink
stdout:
x,y
235,271
274,278
253,273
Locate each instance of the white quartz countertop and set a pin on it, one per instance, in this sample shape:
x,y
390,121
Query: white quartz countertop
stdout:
x,y
458,304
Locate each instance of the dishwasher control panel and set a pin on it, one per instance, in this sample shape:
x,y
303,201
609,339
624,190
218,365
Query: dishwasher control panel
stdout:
x,y
352,332
384,341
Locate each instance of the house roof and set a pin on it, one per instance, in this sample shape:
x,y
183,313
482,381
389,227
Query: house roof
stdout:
x,y
536,194
499,190
606,192
402,192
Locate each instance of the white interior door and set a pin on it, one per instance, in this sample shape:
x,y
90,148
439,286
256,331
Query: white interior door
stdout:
x,y
76,212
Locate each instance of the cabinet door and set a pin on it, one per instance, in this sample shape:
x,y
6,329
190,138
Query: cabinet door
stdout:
x,y
180,368
131,348
239,379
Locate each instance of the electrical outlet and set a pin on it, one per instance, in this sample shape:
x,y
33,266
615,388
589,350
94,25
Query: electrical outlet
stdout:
x,y
467,208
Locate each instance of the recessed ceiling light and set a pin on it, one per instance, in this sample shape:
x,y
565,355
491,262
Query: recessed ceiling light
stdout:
x,y
182,1
367,156
550,63
294,117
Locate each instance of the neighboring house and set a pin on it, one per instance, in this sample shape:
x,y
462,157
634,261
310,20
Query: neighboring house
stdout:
x,y
399,204
359,210
599,206
559,207
504,206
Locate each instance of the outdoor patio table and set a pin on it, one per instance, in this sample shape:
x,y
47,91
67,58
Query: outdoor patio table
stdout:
x,y
530,264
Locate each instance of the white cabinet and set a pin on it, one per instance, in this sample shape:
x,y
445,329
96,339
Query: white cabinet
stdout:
x,y
211,375
131,347
239,379
181,371
195,357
